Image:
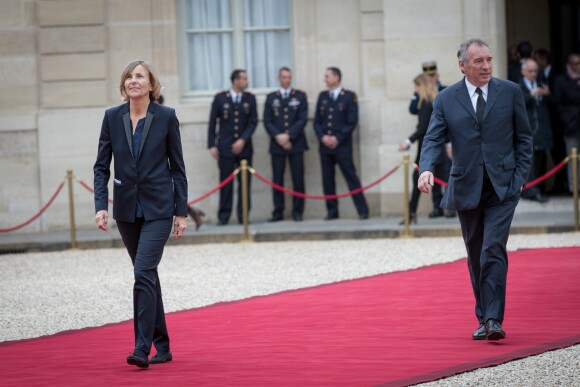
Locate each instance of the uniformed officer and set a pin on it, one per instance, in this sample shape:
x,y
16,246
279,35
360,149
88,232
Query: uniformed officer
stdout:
x,y
285,116
235,110
335,119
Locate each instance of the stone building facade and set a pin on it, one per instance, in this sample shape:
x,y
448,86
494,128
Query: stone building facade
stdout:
x,y
60,63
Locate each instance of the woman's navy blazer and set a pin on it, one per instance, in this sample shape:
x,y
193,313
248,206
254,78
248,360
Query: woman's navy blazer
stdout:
x,y
157,178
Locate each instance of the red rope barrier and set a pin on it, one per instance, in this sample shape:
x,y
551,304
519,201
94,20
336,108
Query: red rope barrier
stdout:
x,y
220,186
546,175
528,185
38,214
321,197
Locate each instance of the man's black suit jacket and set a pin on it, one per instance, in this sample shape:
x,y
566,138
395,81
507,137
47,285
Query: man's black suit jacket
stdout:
x,y
157,178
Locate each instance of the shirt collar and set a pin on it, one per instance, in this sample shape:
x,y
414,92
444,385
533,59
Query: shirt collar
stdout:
x,y
335,92
234,94
287,91
528,83
471,88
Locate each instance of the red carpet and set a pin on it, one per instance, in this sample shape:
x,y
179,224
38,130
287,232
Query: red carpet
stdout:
x,y
391,329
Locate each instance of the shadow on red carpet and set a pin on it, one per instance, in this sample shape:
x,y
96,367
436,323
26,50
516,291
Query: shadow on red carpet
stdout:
x,y
392,329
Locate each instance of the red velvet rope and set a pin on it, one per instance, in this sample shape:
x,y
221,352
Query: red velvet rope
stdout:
x,y
546,175
528,185
38,214
220,186
321,197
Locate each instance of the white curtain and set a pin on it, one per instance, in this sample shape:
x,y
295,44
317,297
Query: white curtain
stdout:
x,y
266,51
209,53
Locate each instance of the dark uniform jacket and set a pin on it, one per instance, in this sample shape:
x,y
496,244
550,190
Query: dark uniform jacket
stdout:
x,y
539,117
286,115
157,178
235,121
338,118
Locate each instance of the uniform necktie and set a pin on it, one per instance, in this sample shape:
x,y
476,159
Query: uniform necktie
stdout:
x,y
480,106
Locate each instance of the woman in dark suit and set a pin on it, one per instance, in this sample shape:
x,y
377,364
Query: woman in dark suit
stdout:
x,y
150,193
426,89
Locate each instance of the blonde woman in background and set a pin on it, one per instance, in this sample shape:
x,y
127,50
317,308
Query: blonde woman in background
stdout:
x,y
426,89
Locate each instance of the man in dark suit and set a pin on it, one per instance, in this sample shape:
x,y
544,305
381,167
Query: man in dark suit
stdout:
x,y
547,75
335,119
536,96
487,124
567,96
231,142
285,116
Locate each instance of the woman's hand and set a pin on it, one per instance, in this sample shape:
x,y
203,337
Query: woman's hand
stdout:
x,y
179,226
101,219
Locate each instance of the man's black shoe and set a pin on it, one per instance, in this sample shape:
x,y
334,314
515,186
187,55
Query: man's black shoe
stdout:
x,y
141,362
276,219
331,217
297,218
161,358
436,213
494,330
222,222
479,333
451,214
363,216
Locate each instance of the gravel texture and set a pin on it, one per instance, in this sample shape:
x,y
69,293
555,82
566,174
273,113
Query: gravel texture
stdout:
x,y
97,287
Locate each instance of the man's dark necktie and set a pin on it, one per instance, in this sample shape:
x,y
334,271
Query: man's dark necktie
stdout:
x,y
480,106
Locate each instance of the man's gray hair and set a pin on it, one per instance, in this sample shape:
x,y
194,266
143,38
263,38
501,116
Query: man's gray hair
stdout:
x,y
462,52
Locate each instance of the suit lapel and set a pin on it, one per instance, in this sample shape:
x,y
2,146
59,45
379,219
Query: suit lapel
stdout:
x,y
493,91
148,120
464,99
128,131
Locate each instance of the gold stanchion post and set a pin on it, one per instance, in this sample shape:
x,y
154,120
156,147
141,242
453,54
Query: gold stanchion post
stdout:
x,y
245,195
71,209
406,229
574,160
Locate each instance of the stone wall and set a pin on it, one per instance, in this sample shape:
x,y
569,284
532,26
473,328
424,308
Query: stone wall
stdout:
x,y
60,62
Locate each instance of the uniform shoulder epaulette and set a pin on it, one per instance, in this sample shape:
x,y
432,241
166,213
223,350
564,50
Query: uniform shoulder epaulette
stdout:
x,y
299,91
221,92
247,92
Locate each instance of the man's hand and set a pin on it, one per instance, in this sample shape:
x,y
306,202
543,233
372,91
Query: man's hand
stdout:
x,y
238,146
542,90
425,182
404,146
287,146
101,219
282,139
179,226
213,151
329,141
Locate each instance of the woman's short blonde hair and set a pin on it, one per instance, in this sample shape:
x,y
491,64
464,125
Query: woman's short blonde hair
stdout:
x,y
153,80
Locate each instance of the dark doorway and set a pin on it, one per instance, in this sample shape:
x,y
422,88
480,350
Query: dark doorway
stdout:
x,y
550,24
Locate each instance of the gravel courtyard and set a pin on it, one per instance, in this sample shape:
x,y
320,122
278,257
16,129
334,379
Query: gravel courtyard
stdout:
x,y
44,293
